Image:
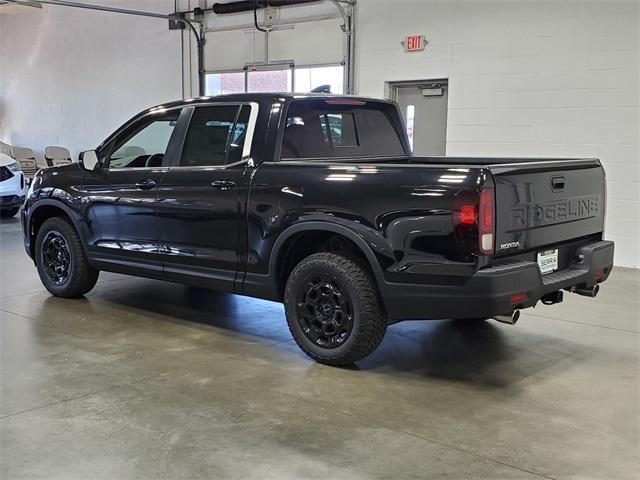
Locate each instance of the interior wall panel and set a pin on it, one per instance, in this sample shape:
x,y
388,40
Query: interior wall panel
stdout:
x,y
70,77
526,78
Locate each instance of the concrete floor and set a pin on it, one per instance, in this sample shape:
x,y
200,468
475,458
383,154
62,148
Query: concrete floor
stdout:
x,y
145,379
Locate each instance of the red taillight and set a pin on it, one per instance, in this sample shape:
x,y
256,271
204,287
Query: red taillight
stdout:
x,y
518,298
468,215
474,222
486,221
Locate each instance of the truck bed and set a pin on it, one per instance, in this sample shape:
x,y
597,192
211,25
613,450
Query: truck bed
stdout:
x,y
452,162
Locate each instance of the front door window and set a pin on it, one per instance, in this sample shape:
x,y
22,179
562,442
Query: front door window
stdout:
x,y
145,143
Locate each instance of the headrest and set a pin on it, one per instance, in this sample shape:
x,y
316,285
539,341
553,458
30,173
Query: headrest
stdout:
x,y
306,140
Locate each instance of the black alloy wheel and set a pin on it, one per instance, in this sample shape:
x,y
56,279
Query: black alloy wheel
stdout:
x,y
56,257
334,310
62,264
325,311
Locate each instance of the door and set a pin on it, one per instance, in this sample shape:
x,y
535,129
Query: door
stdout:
x,y
121,195
424,108
202,199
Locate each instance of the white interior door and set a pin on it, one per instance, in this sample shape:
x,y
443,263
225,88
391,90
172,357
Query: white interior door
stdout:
x,y
424,108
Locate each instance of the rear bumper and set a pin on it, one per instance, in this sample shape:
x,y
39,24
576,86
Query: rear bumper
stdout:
x,y
489,291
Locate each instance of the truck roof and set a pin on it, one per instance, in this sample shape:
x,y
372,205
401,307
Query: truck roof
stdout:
x,y
261,98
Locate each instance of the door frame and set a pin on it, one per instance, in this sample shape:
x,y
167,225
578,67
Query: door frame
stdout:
x,y
221,279
391,87
392,90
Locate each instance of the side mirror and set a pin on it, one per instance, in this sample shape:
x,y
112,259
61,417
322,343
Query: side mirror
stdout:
x,y
89,160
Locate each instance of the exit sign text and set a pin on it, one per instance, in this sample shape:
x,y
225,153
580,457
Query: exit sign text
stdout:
x,y
414,43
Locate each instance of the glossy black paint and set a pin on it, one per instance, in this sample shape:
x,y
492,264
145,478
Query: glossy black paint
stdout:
x,y
402,213
541,203
233,227
202,223
120,216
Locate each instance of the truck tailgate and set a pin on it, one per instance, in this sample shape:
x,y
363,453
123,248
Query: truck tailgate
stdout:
x,y
542,203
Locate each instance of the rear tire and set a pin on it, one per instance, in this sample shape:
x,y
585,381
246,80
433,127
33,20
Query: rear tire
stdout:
x,y
62,264
9,212
334,310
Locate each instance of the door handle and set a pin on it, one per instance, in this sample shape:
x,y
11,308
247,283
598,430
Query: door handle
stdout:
x,y
223,184
146,184
557,183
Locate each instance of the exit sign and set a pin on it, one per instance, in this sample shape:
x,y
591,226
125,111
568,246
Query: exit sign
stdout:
x,y
414,43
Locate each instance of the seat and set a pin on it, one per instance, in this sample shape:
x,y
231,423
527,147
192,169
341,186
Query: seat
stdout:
x,y
27,160
134,151
205,146
61,162
305,140
6,149
56,156
290,147
154,160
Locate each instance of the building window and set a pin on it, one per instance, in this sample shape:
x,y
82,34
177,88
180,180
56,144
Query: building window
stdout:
x,y
303,79
269,81
221,83
306,79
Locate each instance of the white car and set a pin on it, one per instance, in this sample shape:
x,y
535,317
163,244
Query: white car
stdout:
x,y
13,186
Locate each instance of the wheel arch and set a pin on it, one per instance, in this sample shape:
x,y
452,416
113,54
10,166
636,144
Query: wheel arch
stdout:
x,y
280,264
44,210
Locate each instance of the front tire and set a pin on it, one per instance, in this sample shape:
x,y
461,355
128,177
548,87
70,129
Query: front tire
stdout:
x,y
334,310
62,264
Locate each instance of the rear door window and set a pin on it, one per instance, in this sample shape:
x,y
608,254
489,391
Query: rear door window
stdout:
x,y
341,128
215,136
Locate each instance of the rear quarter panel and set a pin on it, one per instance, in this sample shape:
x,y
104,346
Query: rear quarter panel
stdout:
x,y
402,212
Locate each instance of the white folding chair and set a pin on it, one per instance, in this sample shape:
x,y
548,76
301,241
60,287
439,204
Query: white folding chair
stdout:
x,y
6,149
27,160
57,156
61,162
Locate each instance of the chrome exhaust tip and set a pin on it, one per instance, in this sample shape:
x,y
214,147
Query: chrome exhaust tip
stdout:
x,y
511,318
588,292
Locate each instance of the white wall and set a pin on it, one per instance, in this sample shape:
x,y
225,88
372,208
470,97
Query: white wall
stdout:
x,y
70,77
525,79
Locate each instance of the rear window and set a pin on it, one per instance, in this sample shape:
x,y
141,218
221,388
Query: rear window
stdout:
x,y
341,128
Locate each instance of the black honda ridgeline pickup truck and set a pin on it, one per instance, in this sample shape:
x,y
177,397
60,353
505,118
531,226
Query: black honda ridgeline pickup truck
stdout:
x,y
317,201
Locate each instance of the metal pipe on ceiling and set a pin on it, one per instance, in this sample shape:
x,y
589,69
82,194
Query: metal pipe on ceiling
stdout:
x,y
250,5
348,26
288,24
198,35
